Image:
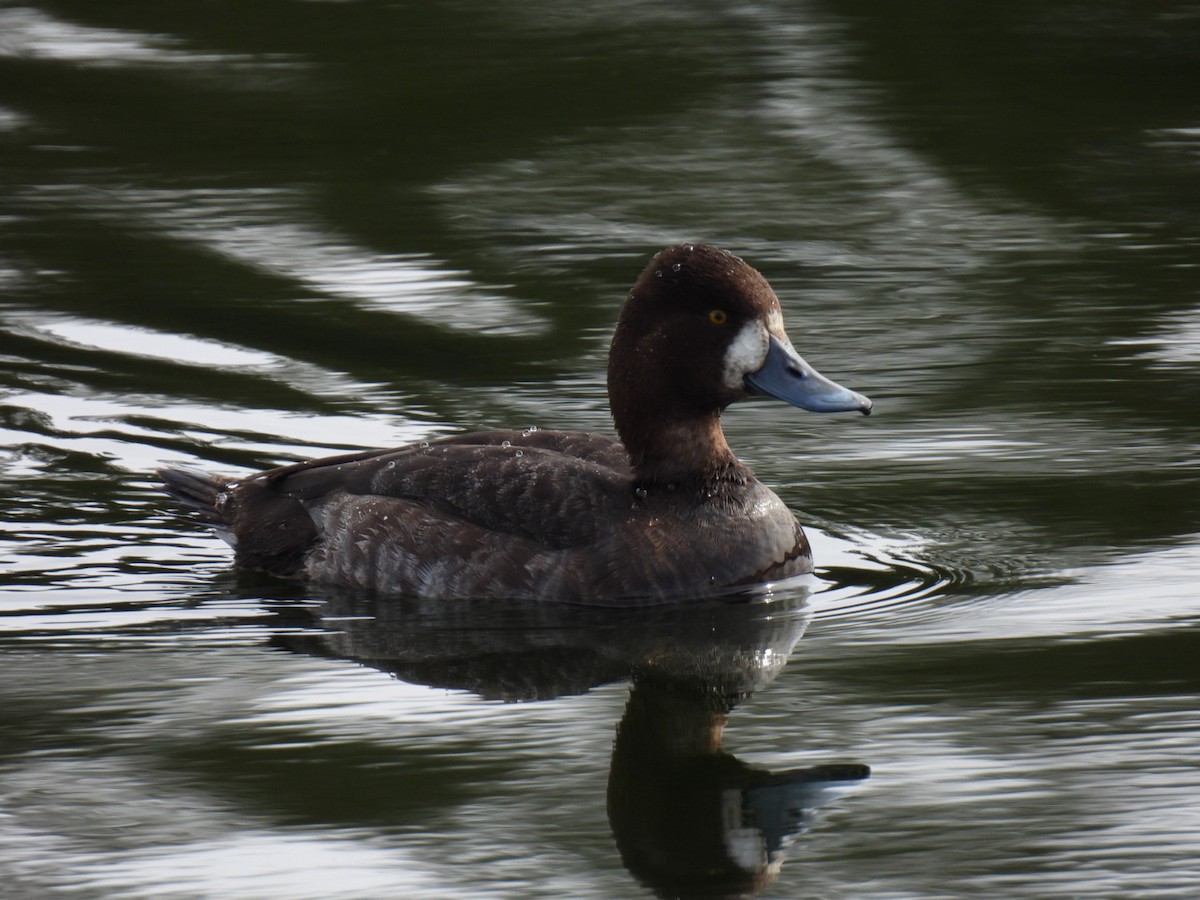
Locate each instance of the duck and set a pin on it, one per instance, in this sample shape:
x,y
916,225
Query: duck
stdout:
x,y
662,512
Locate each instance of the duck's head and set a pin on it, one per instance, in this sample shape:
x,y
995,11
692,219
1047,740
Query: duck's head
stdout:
x,y
700,330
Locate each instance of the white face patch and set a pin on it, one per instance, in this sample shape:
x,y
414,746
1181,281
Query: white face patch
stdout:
x,y
747,352
775,322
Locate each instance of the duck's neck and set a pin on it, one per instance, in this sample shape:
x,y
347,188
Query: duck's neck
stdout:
x,y
680,450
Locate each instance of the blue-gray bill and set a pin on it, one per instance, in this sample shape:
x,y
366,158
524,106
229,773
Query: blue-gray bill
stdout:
x,y
787,377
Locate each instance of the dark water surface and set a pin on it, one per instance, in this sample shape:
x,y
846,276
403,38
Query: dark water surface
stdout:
x,y
234,234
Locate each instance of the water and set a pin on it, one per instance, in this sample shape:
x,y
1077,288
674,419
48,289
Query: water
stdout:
x,y
242,234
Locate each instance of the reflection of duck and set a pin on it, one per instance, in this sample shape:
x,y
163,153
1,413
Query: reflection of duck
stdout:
x,y
668,511
688,819
691,820
514,650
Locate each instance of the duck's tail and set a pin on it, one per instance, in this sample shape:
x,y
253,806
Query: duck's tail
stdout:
x,y
201,492
268,529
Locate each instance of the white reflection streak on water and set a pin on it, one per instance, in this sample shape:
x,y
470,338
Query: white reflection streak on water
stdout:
x,y
331,704
31,33
76,625
347,703
78,412
1177,343
252,863
11,120
184,349
1101,601
1016,442
138,341
284,432
977,783
265,229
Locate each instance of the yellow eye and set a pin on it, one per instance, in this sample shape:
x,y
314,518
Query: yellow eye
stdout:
x,y
718,316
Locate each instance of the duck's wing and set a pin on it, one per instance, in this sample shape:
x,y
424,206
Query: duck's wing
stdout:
x,y
541,487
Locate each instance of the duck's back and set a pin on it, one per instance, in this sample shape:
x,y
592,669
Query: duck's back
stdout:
x,y
490,514
551,487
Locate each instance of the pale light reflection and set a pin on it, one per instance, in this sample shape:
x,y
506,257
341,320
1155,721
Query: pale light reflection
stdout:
x,y
138,341
10,120
1106,600
266,230
947,445
75,623
1177,342
1187,139
1048,438
260,863
72,420
333,704
27,33
946,771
